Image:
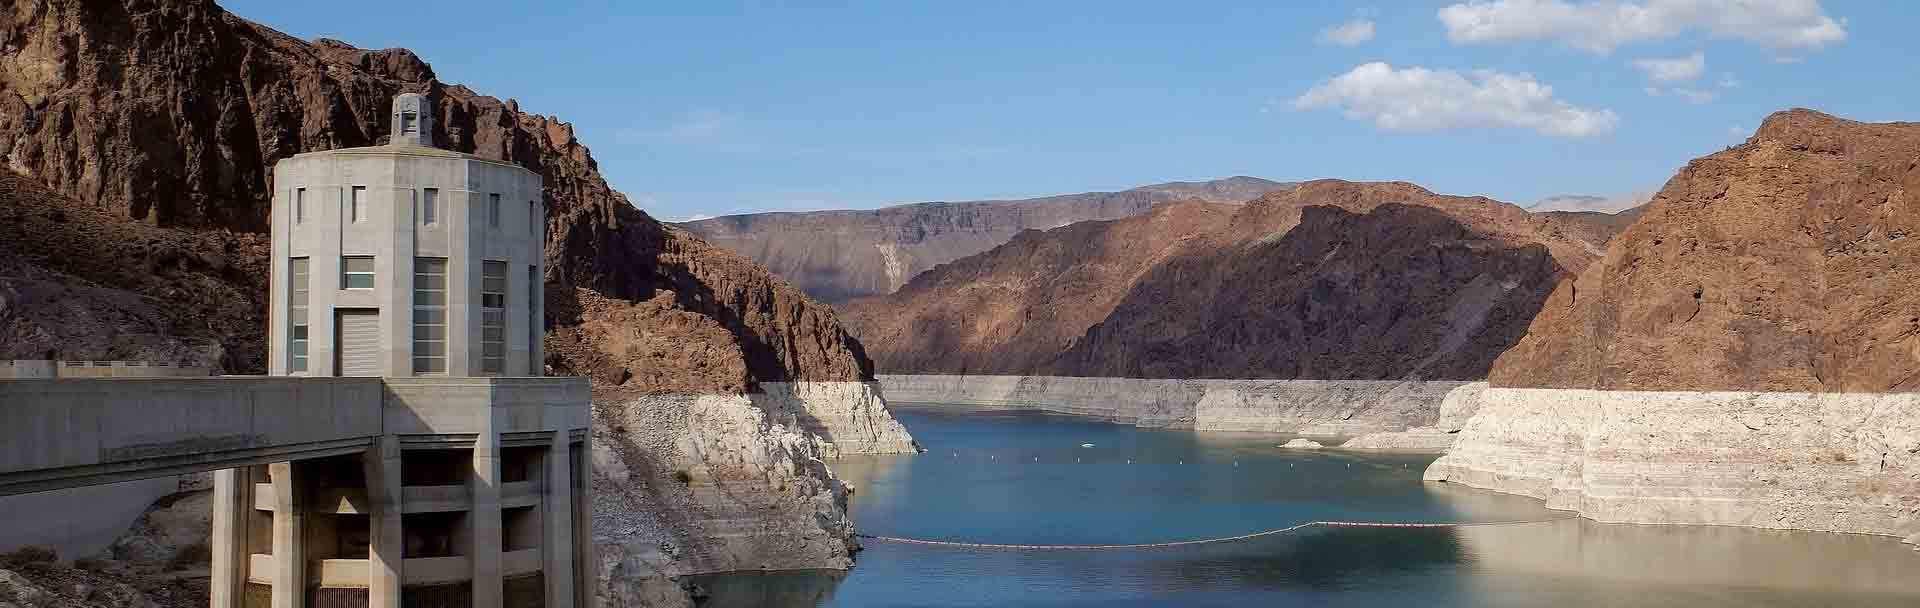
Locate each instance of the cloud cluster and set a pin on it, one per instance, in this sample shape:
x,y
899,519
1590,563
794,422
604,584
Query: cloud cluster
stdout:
x,y
1351,33
1600,26
1421,99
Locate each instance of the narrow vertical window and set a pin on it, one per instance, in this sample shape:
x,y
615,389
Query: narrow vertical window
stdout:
x,y
299,205
534,223
493,210
493,318
358,211
297,278
429,315
430,206
356,272
535,324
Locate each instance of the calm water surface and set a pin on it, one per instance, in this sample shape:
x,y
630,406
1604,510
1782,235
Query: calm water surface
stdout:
x,y
1023,478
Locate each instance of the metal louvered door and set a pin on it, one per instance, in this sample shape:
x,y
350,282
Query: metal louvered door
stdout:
x,y
358,343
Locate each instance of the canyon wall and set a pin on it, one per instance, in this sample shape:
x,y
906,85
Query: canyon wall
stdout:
x,y
1330,280
1326,408
840,255
1746,353
688,484
139,136
1840,462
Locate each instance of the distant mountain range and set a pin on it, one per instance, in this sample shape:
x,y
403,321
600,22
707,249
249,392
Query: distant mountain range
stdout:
x,y
1599,204
840,255
1327,280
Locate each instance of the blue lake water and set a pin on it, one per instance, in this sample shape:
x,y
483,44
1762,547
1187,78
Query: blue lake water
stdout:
x,y
1024,478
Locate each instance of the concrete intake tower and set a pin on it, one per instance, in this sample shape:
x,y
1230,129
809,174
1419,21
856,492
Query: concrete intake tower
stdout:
x,y
404,450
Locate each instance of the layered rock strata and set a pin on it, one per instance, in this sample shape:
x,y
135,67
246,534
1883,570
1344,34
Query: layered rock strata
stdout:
x,y
1331,280
845,418
840,255
1328,408
693,484
1840,462
1746,353
1456,409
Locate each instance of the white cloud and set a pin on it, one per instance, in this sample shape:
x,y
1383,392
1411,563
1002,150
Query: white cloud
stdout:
x,y
1350,33
1600,26
1420,99
1674,69
695,218
1736,131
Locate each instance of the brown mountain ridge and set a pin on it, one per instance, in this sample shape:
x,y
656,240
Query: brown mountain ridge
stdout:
x,y
1329,280
1786,263
840,255
166,117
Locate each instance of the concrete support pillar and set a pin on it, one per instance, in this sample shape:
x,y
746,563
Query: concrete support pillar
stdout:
x,y
386,539
289,536
484,517
232,504
556,507
586,563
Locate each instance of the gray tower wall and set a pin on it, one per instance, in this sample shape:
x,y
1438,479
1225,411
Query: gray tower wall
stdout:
x,y
393,232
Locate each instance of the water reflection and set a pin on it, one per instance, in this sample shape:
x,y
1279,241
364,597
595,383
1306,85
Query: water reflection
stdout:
x,y
1008,477
765,589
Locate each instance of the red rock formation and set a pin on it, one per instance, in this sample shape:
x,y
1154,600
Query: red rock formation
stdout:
x,y
1331,280
840,255
1786,263
172,113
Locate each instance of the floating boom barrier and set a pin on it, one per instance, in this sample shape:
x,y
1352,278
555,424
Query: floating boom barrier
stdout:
x,y
1204,541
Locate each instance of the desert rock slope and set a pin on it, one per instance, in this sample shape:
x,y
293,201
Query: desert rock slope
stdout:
x,y
1331,280
839,255
140,135
1746,353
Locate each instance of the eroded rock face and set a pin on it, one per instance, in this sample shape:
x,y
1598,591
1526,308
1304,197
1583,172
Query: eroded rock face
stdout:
x,y
1329,280
172,113
1841,462
1321,408
693,484
1781,264
839,255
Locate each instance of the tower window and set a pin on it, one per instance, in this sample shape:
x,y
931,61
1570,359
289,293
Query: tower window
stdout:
x,y
297,313
409,123
493,210
493,318
429,315
357,211
299,205
356,272
430,206
535,324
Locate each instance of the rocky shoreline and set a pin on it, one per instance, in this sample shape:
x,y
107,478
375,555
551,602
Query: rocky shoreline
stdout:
x,y
1320,408
696,484
1837,462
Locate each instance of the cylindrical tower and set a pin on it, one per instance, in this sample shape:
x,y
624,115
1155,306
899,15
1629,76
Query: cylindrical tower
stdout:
x,y
406,260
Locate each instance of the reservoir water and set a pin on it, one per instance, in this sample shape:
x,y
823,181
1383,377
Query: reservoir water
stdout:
x,y
1026,478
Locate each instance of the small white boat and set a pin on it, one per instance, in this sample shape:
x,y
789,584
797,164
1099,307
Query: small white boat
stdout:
x,y
1086,445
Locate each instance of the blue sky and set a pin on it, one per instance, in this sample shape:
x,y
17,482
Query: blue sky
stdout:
x,y
711,107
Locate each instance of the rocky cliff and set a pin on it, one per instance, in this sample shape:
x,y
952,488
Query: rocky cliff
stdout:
x,y
1331,280
840,255
172,114
140,135
1775,265
1746,353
